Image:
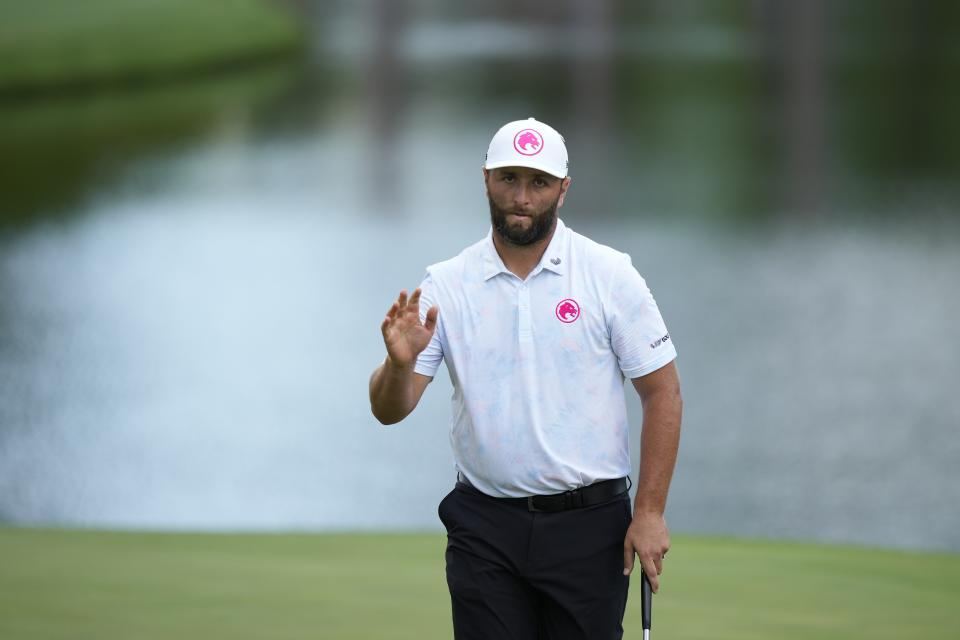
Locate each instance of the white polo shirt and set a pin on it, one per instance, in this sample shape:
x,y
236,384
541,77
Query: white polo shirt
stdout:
x,y
538,365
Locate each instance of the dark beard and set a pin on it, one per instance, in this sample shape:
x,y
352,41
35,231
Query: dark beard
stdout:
x,y
543,224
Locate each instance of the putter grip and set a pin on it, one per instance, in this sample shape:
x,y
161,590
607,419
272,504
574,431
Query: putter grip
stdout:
x,y
647,601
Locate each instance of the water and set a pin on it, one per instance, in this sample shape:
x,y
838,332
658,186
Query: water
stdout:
x,y
186,334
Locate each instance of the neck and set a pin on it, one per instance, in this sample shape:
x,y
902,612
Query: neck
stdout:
x,y
521,260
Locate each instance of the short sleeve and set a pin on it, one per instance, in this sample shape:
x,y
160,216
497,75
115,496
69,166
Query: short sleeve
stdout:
x,y
430,358
638,335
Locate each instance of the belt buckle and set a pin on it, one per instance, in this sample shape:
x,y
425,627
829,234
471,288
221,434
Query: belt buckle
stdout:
x,y
530,505
573,499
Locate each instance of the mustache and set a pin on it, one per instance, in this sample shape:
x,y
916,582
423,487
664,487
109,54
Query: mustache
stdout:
x,y
542,223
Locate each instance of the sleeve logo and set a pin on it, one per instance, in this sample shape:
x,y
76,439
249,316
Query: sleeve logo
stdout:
x,y
654,345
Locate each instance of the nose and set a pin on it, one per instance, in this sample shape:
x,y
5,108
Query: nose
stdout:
x,y
521,196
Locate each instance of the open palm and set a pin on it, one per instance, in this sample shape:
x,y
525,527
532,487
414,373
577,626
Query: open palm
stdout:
x,y
403,333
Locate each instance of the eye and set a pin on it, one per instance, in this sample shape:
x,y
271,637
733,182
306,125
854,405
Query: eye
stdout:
x,y
507,177
540,182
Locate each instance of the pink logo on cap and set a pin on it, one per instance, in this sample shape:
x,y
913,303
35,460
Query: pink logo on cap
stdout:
x,y
528,142
568,310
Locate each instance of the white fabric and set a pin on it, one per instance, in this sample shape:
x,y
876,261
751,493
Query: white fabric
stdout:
x,y
528,143
538,404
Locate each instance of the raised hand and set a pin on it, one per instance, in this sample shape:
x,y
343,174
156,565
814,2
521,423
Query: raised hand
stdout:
x,y
403,333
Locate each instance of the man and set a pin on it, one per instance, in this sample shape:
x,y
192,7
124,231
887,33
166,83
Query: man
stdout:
x,y
539,326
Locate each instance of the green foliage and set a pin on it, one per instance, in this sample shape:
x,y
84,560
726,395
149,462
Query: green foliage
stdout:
x,y
55,152
54,43
103,585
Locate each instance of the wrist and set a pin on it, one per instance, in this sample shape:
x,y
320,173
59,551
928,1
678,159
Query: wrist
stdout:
x,y
641,508
393,366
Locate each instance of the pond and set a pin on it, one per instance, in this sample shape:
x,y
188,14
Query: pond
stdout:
x,y
192,279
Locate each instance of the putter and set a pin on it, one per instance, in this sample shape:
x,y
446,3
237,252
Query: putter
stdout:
x,y
646,604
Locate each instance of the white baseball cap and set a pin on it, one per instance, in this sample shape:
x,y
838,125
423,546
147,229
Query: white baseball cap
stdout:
x,y
528,143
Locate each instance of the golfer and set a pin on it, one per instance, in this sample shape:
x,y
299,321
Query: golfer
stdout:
x,y
539,326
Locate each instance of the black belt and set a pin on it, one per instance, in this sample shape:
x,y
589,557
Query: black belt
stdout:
x,y
574,499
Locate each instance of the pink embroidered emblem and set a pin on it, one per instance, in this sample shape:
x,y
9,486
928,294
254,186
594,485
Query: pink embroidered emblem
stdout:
x,y
528,142
568,310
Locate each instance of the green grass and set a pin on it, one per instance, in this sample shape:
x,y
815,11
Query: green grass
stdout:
x,y
103,585
56,43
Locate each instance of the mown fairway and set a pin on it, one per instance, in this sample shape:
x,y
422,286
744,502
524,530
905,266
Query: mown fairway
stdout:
x,y
103,585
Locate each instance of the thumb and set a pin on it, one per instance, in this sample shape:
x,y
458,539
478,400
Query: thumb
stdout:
x,y
431,319
628,556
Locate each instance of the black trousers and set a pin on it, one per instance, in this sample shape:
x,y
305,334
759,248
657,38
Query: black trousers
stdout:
x,y
514,574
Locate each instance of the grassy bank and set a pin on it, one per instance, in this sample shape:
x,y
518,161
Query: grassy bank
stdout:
x,y
57,44
72,584
55,153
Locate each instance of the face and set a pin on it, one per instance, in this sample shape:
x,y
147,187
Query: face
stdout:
x,y
524,203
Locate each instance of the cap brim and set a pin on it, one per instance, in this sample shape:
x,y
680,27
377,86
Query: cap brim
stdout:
x,y
528,164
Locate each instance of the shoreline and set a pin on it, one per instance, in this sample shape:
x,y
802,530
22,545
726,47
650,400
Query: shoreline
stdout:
x,y
45,51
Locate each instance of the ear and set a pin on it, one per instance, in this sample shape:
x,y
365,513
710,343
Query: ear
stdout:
x,y
486,184
564,185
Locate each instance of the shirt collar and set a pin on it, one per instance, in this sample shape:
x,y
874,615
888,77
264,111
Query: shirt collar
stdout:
x,y
551,260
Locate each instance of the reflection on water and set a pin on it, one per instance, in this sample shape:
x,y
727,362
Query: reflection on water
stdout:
x,y
54,153
187,344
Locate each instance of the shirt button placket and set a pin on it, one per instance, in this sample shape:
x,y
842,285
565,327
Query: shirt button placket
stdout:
x,y
525,332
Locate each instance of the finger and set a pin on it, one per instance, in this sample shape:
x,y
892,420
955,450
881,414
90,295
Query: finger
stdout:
x,y
658,563
402,300
391,315
651,572
628,556
413,305
431,319
415,298
412,309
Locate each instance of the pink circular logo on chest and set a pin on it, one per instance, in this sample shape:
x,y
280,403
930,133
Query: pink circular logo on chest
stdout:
x,y
568,310
528,142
